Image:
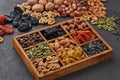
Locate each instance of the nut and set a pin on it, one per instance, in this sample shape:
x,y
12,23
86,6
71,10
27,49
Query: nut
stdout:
x,y
38,8
49,6
58,2
43,2
32,2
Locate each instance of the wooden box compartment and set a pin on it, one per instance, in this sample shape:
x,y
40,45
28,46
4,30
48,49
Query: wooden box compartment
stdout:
x,y
67,63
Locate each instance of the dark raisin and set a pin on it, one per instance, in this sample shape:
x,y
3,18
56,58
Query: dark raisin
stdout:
x,y
34,21
25,17
15,23
18,9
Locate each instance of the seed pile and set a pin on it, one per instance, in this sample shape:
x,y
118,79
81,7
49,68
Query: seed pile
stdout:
x,y
106,23
71,55
75,25
50,63
54,32
94,47
62,43
30,40
38,52
23,22
83,36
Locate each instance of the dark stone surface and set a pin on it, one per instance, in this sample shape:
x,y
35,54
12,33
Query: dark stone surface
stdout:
x,y
12,67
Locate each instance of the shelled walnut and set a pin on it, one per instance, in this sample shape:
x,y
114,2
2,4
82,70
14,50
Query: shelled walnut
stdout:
x,y
62,43
72,55
96,9
50,63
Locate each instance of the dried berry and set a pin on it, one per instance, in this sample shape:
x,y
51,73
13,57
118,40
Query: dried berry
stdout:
x,y
34,21
94,47
30,39
25,17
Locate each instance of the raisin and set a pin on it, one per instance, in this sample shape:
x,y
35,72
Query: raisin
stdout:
x,y
34,20
25,17
18,9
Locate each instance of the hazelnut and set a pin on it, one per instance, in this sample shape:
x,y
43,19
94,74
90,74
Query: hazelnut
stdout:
x,y
72,15
58,2
38,7
56,7
32,2
50,0
43,2
49,6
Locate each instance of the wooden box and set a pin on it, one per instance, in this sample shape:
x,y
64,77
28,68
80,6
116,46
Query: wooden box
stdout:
x,y
65,69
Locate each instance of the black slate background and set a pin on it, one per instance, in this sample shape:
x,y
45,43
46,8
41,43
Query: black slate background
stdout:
x,y
12,67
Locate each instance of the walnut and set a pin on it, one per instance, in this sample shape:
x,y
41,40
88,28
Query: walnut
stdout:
x,y
38,8
49,6
43,2
32,2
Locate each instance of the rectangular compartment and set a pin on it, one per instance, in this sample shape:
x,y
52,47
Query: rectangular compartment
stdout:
x,y
64,69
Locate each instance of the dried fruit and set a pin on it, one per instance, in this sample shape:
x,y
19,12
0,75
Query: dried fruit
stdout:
x,y
83,36
71,55
1,39
54,32
94,47
30,40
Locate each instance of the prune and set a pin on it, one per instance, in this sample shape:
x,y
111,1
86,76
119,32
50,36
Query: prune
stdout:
x,y
18,9
25,17
53,33
25,26
14,14
34,20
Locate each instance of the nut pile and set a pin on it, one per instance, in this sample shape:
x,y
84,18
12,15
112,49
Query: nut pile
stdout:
x,y
75,25
30,39
83,36
5,28
94,47
71,55
39,51
96,9
42,10
50,63
53,32
72,8
62,43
